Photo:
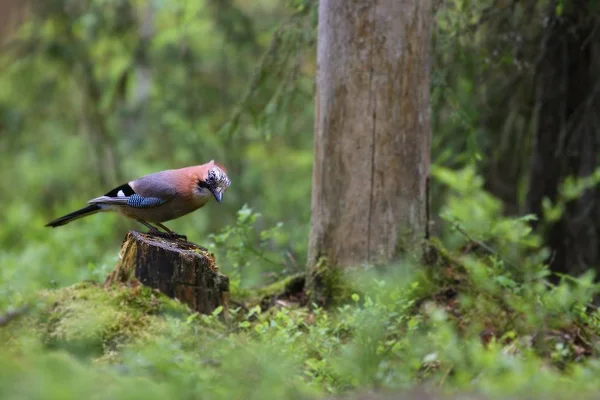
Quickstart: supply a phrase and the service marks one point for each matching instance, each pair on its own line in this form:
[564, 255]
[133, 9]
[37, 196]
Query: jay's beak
[218, 195]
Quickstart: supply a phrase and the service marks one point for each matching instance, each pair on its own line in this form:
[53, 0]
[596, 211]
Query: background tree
[372, 133]
[566, 138]
[521, 78]
[12, 12]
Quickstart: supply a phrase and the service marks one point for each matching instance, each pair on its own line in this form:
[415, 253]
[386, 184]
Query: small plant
[245, 249]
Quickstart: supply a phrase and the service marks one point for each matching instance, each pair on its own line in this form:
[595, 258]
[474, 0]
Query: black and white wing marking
[125, 195]
[133, 199]
[121, 191]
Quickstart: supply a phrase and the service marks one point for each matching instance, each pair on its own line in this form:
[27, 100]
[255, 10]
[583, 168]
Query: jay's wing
[162, 185]
[150, 191]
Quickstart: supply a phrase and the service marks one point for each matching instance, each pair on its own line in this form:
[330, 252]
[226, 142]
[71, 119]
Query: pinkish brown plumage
[159, 197]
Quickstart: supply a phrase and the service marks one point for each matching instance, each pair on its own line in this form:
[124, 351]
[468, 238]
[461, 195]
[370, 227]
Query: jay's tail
[84, 212]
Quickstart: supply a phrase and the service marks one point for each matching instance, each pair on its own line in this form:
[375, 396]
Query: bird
[159, 197]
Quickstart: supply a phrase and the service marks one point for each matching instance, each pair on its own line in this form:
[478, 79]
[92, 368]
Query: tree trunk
[12, 14]
[372, 132]
[566, 141]
[179, 269]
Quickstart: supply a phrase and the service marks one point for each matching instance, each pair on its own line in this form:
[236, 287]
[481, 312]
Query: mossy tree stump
[177, 268]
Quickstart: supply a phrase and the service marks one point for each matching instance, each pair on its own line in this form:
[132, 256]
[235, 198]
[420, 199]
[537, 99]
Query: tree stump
[181, 270]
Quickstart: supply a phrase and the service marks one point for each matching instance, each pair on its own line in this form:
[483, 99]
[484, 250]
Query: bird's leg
[170, 232]
[153, 230]
[151, 227]
[167, 234]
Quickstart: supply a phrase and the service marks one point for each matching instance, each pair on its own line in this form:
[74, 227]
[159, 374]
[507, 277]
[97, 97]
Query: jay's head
[216, 181]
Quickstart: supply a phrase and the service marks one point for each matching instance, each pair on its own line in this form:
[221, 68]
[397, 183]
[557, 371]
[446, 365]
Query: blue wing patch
[137, 201]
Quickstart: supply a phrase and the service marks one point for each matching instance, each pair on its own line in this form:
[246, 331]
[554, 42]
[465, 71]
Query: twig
[10, 316]
[240, 305]
[260, 255]
[446, 374]
[483, 245]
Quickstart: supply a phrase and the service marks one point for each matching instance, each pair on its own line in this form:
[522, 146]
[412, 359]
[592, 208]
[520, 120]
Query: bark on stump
[177, 268]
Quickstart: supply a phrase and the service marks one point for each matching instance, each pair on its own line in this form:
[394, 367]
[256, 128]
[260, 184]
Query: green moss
[265, 295]
[287, 285]
[328, 285]
[88, 320]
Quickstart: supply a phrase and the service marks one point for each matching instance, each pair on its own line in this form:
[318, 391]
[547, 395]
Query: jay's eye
[211, 178]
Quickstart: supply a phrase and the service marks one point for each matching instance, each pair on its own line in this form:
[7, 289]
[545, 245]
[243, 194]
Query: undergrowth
[482, 320]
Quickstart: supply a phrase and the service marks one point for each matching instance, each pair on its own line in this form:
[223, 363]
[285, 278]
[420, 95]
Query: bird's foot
[177, 236]
[167, 235]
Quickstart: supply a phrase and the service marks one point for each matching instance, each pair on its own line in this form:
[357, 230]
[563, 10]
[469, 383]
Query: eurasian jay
[159, 197]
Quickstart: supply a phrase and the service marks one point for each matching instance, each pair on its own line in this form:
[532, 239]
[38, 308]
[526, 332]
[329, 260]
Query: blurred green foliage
[97, 93]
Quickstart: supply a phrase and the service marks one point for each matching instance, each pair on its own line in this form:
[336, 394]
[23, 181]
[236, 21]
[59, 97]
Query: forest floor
[465, 326]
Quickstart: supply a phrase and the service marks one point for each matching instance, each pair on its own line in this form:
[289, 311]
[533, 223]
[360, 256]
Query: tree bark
[372, 131]
[566, 141]
[12, 14]
[179, 269]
